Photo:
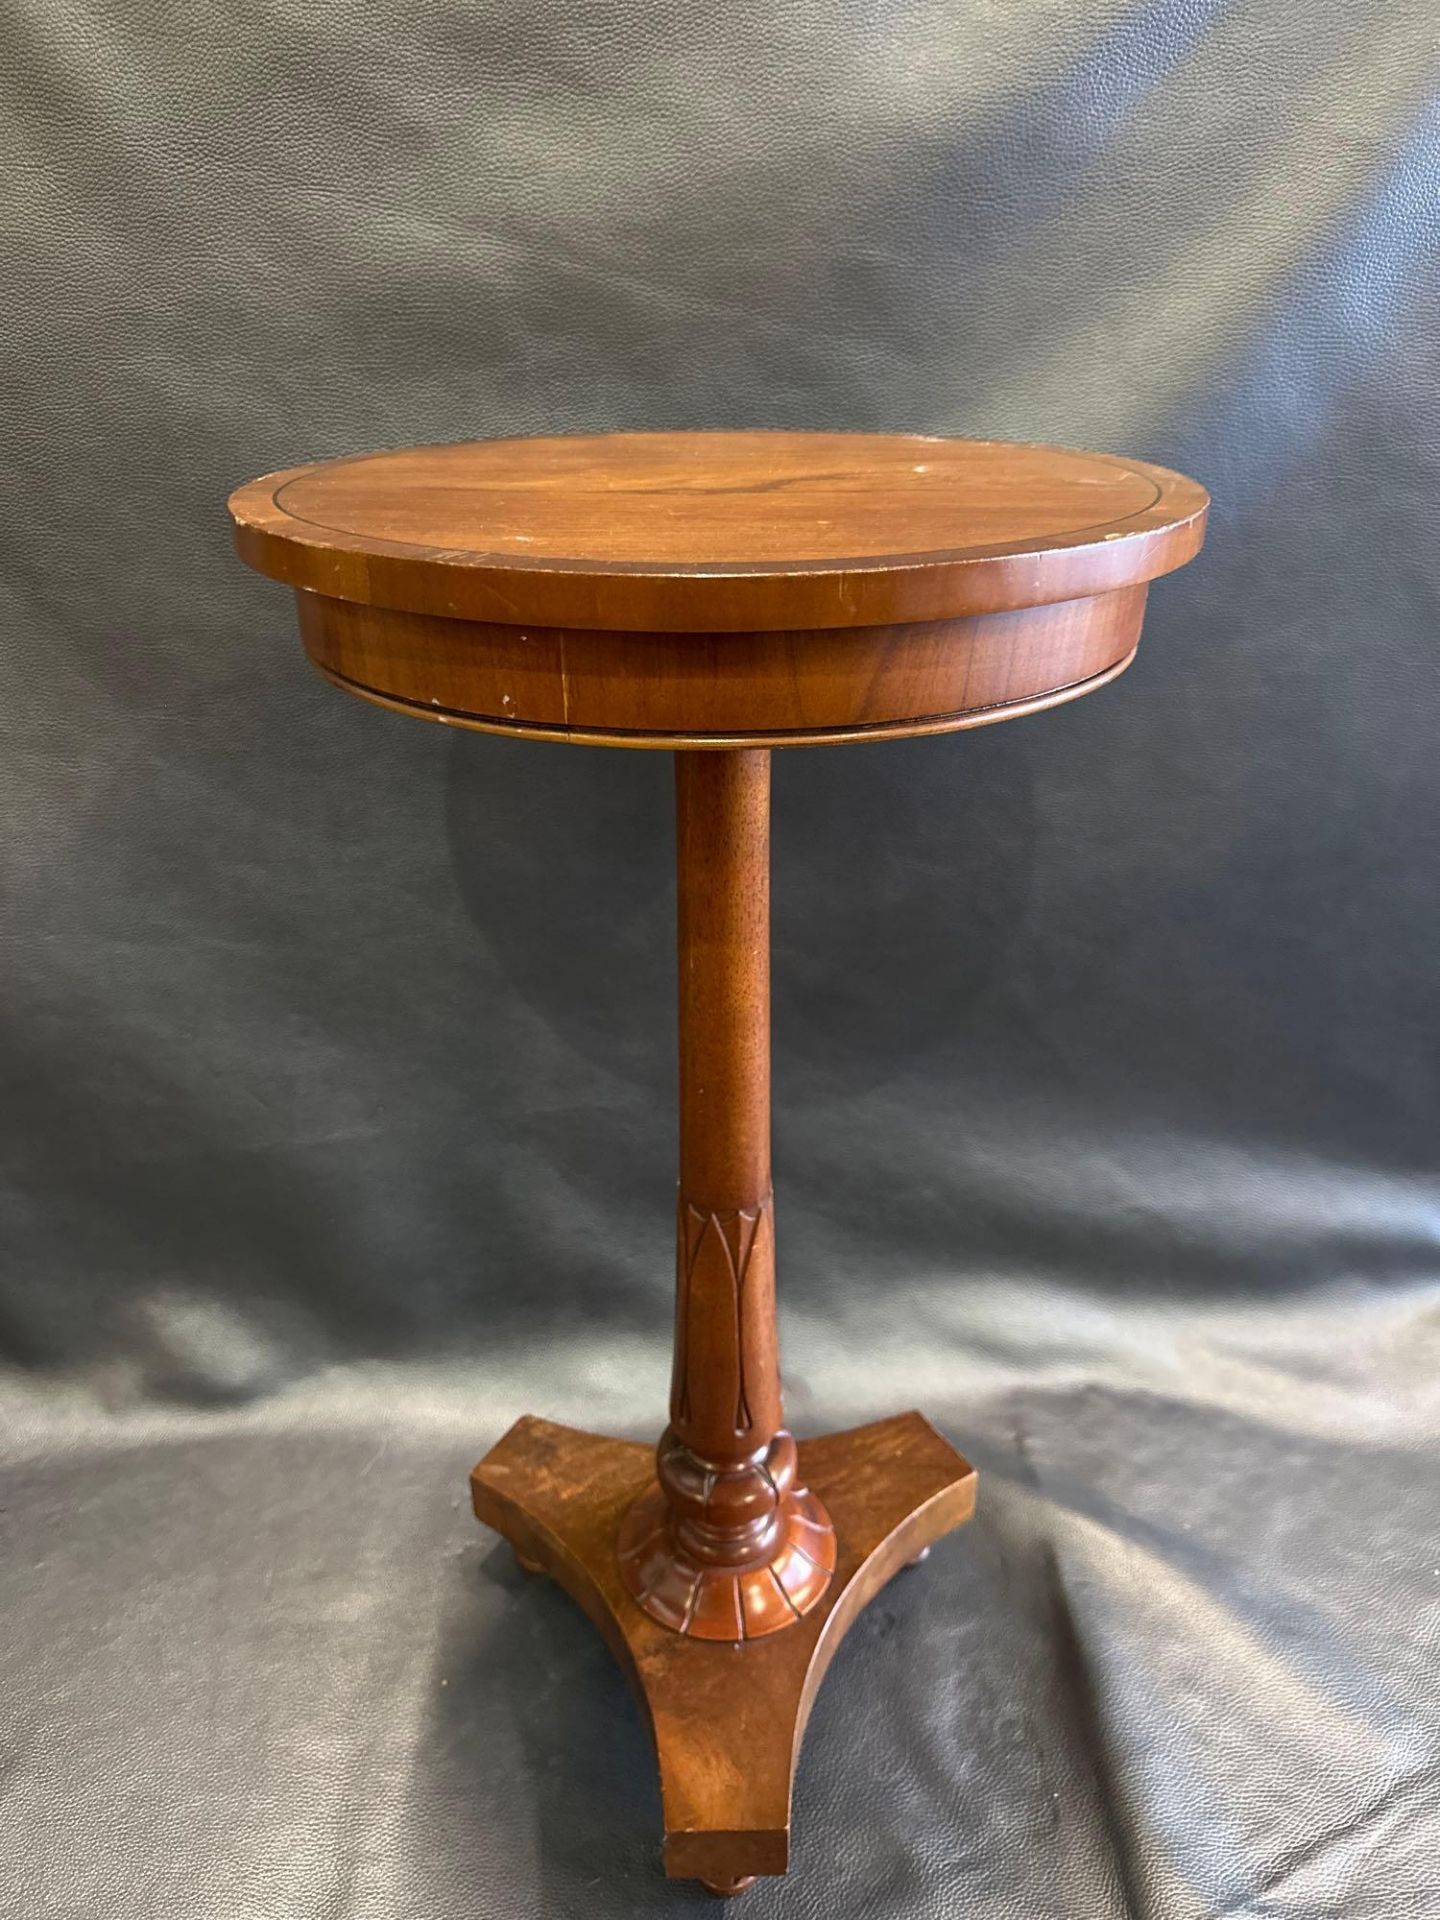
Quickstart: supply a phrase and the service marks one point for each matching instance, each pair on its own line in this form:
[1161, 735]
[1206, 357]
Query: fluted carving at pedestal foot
[727, 1603]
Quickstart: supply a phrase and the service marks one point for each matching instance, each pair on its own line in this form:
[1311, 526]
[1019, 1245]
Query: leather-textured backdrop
[338, 1102]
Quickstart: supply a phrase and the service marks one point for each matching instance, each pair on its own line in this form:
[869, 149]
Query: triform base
[727, 1719]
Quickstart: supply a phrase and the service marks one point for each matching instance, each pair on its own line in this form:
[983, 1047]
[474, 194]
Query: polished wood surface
[721, 589]
[723, 690]
[728, 1544]
[722, 594]
[719, 532]
[727, 1721]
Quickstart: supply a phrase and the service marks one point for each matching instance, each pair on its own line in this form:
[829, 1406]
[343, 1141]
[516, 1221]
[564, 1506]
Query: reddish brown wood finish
[721, 589]
[731, 592]
[814, 688]
[727, 1545]
[719, 532]
[727, 1722]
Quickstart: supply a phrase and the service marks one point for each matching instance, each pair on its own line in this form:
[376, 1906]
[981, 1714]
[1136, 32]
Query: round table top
[718, 531]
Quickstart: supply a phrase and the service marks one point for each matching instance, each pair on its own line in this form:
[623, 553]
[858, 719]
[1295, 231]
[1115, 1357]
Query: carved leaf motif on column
[716, 1249]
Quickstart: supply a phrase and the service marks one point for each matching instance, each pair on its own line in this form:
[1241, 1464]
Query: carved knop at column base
[727, 1551]
[726, 1513]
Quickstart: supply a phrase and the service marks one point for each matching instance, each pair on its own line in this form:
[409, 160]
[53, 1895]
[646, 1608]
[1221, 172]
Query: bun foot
[726, 1889]
[525, 1565]
[916, 1558]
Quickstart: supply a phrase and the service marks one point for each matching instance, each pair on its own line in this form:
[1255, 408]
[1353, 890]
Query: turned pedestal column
[721, 595]
[727, 1545]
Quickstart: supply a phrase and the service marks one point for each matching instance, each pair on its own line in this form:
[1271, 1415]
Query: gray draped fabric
[337, 1051]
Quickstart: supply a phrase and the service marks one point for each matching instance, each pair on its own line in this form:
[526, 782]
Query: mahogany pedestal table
[720, 594]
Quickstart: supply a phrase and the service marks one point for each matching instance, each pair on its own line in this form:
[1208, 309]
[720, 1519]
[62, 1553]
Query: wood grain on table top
[719, 531]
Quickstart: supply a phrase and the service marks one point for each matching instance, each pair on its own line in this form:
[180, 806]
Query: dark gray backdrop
[337, 1051]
